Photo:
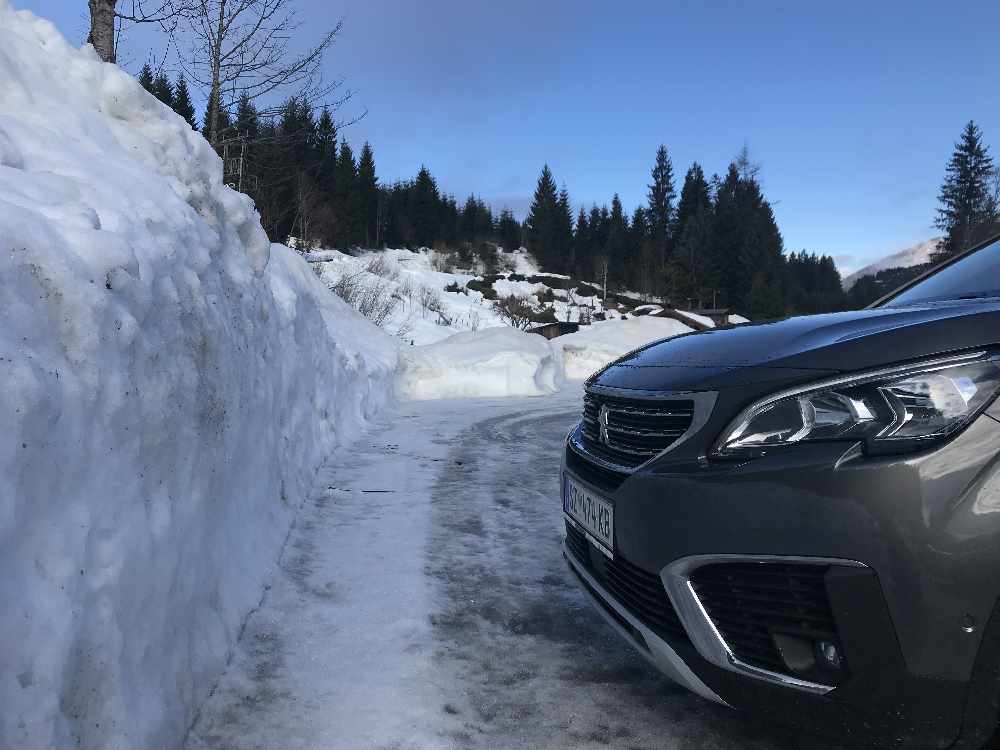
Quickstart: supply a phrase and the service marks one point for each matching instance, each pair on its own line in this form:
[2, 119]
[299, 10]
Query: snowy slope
[459, 346]
[911, 256]
[171, 383]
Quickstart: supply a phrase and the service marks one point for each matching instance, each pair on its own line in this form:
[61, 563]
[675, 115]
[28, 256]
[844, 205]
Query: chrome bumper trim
[659, 653]
[702, 631]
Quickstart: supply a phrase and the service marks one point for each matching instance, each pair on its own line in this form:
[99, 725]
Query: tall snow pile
[592, 347]
[497, 362]
[171, 382]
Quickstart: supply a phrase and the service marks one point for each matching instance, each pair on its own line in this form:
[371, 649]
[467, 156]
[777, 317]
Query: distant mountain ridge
[917, 255]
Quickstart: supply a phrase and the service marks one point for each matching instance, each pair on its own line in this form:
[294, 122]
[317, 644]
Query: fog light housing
[819, 659]
[828, 656]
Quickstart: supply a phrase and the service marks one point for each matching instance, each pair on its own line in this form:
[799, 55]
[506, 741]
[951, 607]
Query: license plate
[593, 513]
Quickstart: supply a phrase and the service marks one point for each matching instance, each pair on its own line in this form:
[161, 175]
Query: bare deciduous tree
[515, 311]
[106, 14]
[242, 47]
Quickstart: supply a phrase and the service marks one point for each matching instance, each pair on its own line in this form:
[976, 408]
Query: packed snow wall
[171, 381]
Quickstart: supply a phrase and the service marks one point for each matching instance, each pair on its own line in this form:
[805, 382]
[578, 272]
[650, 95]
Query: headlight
[891, 410]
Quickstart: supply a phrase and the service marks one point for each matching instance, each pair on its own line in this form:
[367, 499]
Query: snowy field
[422, 602]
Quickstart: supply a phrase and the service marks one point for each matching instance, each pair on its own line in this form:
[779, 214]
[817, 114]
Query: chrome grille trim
[701, 628]
[636, 434]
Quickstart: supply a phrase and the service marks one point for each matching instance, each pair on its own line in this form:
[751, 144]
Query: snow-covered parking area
[422, 602]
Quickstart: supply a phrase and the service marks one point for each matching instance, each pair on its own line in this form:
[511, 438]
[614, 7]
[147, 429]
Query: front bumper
[926, 532]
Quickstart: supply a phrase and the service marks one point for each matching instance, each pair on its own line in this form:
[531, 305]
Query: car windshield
[974, 277]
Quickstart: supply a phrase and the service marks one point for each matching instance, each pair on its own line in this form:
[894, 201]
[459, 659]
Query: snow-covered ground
[496, 362]
[431, 304]
[911, 256]
[592, 347]
[460, 346]
[171, 382]
[422, 602]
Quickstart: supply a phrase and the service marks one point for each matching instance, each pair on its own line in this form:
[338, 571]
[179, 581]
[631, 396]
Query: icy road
[422, 601]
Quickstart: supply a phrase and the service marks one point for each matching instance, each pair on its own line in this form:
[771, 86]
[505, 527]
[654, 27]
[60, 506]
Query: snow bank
[171, 382]
[592, 347]
[695, 317]
[497, 362]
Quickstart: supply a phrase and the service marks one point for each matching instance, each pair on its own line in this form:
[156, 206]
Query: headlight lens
[892, 410]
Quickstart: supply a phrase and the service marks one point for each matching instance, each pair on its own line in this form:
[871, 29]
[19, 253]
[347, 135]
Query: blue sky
[851, 108]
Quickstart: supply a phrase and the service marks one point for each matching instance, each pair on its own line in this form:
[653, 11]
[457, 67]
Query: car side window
[977, 275]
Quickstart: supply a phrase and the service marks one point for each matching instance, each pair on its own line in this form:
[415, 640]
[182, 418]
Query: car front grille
[629, 432]
[605, 479]
[640, 592]
[750, 602]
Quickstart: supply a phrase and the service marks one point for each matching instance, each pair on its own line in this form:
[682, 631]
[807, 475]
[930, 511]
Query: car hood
[796, 349]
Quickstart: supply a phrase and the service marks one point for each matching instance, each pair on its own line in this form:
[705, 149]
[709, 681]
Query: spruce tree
[182, 102]
[425, 214]
[616, 246]
[247, 119]
[508, 231]
[968, 212]
[661, 203]
[542, 222]
[746, 266]
[582, 248]
[368, 195]
[692, 236]
[146, 78]
[346, 201]
[564, 260]
[163, 89]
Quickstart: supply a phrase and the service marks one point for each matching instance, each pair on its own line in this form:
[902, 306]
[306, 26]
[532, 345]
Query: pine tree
[564, 259]
[346, 200]
[247, 119]
[968, 212]
[425, 209]
[542, 222]
[661, 203]
[616, 246]
[692, 236]
[146, 78]
[508, 231]
[746, 265]
[368, 195]
[582, 248]
[182, 102]
[163, 89]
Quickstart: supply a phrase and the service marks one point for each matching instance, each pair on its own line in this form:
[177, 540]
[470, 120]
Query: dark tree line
[716, 245]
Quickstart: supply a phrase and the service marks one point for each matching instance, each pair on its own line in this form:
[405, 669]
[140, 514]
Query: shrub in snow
[515, 311]
[171, 382]
[494, 362]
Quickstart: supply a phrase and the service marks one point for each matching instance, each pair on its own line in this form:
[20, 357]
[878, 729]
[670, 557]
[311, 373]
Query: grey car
[801, 518]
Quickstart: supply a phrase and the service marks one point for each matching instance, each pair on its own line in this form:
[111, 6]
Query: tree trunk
[215, 94]
[102, 28]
